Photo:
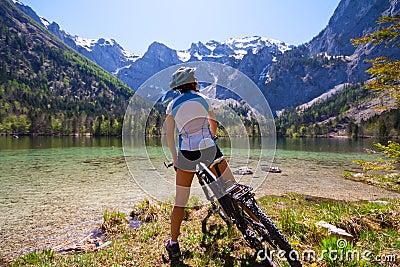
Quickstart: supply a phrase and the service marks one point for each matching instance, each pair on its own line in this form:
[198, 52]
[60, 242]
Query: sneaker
[174, 252]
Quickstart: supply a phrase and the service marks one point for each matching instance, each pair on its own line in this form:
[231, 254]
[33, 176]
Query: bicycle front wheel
[272, 246]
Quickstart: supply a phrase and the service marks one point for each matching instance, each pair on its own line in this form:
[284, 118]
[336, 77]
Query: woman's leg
[225, 171]
[183, 183]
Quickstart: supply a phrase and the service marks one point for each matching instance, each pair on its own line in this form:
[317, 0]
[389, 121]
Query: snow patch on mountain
[242, 46]
[44, 21]
[183, 56]
[85, 43]
[233, 47]
[29, 11]
[17, 2]
[116, 72]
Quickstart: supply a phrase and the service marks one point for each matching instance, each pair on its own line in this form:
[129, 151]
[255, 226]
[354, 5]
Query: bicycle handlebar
[168, 164]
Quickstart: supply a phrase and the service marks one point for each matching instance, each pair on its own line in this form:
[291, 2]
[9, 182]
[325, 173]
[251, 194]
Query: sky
[135, 24]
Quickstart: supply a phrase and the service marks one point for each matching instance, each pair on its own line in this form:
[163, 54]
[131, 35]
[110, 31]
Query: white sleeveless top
[190, 112]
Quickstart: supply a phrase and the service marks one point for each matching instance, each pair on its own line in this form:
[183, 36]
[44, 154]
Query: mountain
[353, 19]
[329, 59]
[237, 53]
[288, 76]
[250, 55]
[107, 53]
[48, 88]
[347, 109]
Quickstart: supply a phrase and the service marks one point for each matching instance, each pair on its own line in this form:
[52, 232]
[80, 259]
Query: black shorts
[187, 160]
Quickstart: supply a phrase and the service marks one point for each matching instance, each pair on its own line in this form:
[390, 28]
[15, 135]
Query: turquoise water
[53, 189]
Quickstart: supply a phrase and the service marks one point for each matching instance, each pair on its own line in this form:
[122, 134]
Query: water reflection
[330, 145]
[45, 142]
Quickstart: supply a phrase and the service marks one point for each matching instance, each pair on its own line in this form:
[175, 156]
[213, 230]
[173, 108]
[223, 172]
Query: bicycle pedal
[164, 258]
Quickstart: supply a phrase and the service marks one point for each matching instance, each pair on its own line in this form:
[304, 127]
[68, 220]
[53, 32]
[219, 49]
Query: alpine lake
[55, 189]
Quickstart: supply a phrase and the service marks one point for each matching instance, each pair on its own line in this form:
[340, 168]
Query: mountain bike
[237, 206]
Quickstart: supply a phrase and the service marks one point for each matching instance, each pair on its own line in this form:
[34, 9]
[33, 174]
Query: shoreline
[54, 195]
[95, 225]
[291, 180]
[328, 135]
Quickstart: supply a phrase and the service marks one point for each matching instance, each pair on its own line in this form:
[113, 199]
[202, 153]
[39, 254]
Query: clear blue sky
[135, 24]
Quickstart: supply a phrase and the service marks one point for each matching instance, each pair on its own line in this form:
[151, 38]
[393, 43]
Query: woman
[191, 113]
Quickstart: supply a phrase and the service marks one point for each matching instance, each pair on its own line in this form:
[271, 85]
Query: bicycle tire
[267, 229]
[275, 239]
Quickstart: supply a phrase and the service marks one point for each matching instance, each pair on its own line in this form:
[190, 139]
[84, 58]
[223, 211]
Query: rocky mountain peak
[200, 49]
[287, 75]
[351, 19]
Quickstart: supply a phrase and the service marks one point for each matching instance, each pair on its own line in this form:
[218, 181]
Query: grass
[375, 227]
[388, 180]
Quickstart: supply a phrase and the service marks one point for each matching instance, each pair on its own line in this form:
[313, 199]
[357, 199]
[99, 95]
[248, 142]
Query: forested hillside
[47, 88]
[353, 112]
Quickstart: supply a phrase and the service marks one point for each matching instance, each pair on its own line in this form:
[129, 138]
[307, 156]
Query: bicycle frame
[230, 200]
[236, 205]
[238, 193]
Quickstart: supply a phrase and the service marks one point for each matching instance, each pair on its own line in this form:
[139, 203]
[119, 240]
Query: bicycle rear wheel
[262, 234]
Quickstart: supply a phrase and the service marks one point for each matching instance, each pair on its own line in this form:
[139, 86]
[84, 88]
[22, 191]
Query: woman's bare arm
[170, 127]
[213, 122]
